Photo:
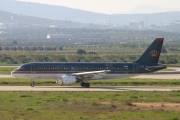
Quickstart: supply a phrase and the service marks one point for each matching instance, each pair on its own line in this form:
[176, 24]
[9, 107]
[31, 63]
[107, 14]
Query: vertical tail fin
[151, 55]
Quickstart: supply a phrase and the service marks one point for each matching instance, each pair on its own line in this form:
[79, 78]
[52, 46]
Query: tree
[6, 48]
[163, 50]
[93, 53]
[1, 48]
[14, 42]
[14, 48]
[27, 49]
[48, 48]
[34, 48]
[80, 51]
[60, 48]
[20, 48]
[62, 59]
[21, 59]
[40, 48]
[54, 48]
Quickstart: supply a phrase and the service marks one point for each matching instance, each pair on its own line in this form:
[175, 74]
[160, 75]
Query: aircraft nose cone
[13, 73]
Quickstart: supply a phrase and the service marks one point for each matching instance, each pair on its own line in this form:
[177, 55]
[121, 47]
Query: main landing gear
[83, 84]
[32, 83]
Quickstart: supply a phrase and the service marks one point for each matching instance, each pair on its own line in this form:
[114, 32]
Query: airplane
[73, 72]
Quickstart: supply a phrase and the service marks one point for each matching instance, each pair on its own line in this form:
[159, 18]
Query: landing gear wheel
[83, 84]
[87, 85]
[32, 84]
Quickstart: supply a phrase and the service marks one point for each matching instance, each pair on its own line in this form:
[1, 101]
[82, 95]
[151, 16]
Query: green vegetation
[87, 45]
[88, 105]
[15, 58]
[135, 82]
[110, 82]
[7, 70]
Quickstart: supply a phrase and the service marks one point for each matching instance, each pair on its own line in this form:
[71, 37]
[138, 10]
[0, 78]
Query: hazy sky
[110, 6]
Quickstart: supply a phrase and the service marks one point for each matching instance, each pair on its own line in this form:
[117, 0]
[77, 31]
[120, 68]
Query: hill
[8, 19]
[75, 15]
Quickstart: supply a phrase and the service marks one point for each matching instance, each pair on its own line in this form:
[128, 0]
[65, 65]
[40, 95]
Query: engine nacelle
[67, 79]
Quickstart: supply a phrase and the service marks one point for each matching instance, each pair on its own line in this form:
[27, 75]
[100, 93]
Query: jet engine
[66, 79]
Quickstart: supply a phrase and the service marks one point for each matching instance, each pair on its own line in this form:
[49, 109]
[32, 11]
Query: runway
[159, 76]
[77, 88]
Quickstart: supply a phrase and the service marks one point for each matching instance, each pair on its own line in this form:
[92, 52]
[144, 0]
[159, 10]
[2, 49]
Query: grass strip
[109, 82]
[87, 105]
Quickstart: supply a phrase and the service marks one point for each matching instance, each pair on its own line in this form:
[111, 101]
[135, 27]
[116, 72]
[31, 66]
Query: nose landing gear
[32, 83]
[83, 84]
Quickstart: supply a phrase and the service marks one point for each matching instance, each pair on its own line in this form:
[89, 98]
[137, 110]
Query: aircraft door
[33, 68]
[110, 67]
[34, 73]
[135, 68]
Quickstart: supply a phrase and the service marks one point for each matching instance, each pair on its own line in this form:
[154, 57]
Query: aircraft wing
[91, 72]
[85, 75]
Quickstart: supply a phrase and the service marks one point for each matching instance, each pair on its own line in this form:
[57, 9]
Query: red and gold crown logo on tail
[154, 53]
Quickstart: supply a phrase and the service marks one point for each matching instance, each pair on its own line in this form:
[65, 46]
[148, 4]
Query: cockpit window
[20, 68]
[24, 67]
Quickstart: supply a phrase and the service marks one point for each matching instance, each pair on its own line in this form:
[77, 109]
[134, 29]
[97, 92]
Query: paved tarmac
[6, 76]
[97, 88]
[159, 76]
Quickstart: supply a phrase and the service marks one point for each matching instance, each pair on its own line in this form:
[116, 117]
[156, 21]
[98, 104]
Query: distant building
[176, 22]
[78, 43]
[59, 36]
[2, 26]
[122, 42]
[8, 25]
[137, 24]
[2, 32]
